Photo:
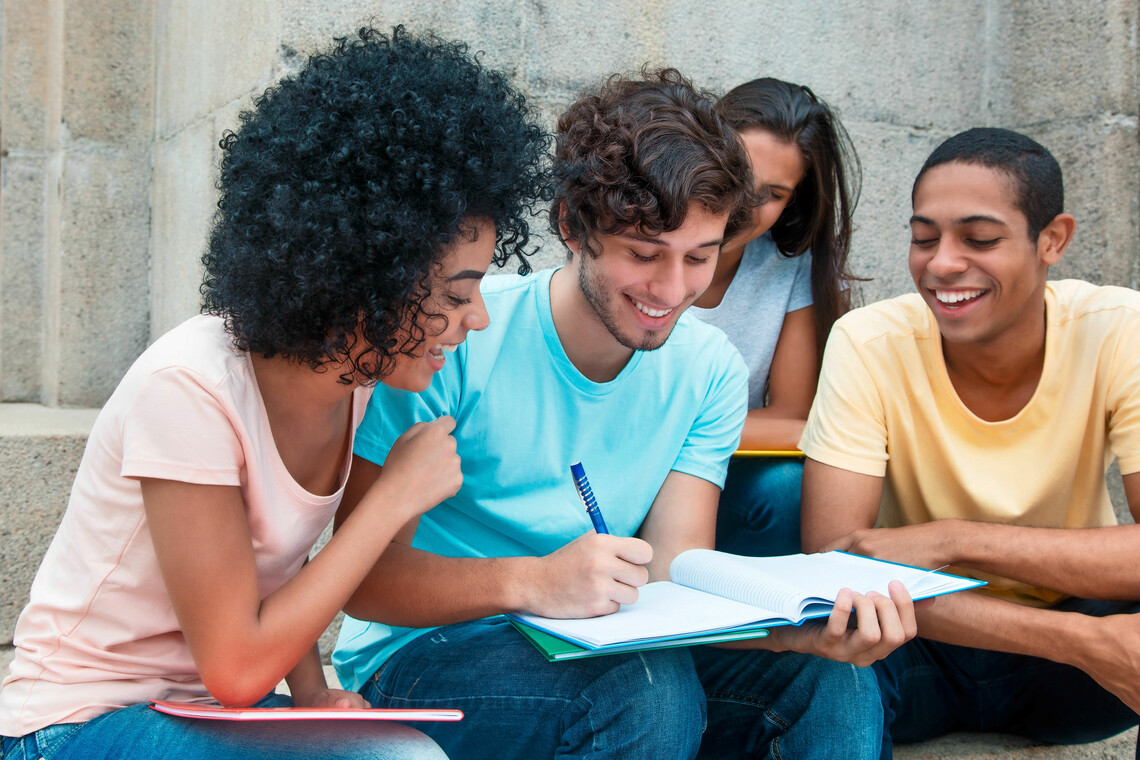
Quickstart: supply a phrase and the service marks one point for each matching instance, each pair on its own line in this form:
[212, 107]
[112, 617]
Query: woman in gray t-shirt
[778, 287]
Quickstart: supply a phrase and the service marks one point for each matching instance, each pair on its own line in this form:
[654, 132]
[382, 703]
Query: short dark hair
[637, 152]
[1035, 176]
[819, 214]
[345, 184]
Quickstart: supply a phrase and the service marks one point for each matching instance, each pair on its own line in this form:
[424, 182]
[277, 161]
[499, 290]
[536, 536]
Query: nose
[946, 259]
[668, 284]
[476, 317]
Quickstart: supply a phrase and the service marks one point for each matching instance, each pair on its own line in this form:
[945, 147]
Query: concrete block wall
[111, 110]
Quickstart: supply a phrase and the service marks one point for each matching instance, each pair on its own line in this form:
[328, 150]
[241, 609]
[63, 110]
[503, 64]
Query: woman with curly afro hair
[361, 201]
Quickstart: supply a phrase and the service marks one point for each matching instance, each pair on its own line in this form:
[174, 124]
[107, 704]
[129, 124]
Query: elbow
[233, 689]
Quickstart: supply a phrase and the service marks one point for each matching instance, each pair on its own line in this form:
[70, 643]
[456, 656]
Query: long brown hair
[818, 216]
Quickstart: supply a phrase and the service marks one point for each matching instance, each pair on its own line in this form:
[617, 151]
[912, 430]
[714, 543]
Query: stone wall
[110, 112]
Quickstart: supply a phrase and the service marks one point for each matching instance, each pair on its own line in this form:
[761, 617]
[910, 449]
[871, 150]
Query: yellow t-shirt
[886, 407]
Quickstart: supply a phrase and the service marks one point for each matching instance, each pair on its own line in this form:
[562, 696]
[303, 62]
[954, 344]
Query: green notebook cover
[555, 649]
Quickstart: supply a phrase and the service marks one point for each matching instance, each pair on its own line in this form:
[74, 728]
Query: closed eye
[984, 243]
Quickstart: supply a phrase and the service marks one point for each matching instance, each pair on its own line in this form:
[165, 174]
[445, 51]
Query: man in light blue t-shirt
[595, 362]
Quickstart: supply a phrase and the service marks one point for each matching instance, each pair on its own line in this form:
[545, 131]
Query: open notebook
[714, 594]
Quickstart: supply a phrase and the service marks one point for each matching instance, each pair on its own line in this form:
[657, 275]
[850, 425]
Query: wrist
[391, 497]
[1078, 641]
[958, 541]
[517, 588]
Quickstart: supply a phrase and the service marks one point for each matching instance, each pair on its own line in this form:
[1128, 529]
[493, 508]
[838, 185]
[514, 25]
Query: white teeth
[436, 353]
[655, 313]
[449, 347]
[955, 296]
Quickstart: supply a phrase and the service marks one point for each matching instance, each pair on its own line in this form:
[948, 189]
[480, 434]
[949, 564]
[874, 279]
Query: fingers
[881, 624]
[632, 550]
[901, 597]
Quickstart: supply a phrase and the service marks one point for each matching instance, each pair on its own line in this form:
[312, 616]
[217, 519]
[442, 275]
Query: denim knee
[651, 703]
[759, 510]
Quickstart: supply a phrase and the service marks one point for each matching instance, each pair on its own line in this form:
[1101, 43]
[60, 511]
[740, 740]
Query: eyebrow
[466, 274]
[963, 220]
[662, 243]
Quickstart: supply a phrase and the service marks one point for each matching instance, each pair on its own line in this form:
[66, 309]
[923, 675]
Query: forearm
[248, 644]
[1092, 563]
[414, 588]
[975, 619]
[307, 676]
[769, 429]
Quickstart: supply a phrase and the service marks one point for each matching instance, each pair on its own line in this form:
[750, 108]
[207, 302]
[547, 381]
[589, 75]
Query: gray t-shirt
[766, 287]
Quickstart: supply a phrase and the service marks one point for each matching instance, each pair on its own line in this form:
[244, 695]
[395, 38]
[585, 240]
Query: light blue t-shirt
[767, 285]
[524, 413]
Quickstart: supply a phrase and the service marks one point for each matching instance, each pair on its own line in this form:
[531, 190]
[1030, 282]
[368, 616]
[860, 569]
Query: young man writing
[973, 423]
[593, 362]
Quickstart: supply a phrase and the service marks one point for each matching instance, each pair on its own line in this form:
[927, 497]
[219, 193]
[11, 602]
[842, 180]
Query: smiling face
[638, 286]
[777, 168]
[455, 296]
[972, 259]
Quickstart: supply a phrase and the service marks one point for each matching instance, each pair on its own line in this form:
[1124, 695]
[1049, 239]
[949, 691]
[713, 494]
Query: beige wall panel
[105, 230]
[1100, 159]
[29, 75]
[494, 27]
[184, 201]
[209, 53]
[108, 70]
[22, 219]
[1069, 59]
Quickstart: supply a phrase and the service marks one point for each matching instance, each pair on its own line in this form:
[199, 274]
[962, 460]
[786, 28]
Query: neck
[996, 380]
[286, 384]
[588, 343]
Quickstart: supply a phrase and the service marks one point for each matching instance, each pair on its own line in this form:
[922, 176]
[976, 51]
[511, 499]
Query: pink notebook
[214, 712]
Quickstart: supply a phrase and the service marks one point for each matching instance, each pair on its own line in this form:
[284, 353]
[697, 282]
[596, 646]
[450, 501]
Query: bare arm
[683, 516]
[791, 387]
[1103, 647]
[1091, 563]
[309, 688]
[591, 575]
[835, 503]
[1107, 648]
[242, 644]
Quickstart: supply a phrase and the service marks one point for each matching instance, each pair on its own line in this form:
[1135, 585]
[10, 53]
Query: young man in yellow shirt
[971, 425]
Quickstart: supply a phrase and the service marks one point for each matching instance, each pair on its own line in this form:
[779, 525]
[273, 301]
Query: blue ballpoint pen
[586, 494]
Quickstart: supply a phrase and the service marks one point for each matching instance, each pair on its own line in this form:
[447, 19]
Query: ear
[568, 239]
[1054, 239]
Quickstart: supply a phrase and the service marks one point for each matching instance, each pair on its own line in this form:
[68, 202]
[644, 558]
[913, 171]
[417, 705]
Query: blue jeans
[930, 689]
[759, 511]
[140, 732]
[787, 705]
[517, 705]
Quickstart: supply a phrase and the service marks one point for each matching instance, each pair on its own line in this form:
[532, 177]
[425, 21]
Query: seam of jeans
[53, 741]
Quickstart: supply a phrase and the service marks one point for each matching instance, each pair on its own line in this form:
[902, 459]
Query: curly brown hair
[637, 152]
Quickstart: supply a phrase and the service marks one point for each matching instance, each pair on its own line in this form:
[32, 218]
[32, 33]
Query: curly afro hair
[637, 152]
[345, 184]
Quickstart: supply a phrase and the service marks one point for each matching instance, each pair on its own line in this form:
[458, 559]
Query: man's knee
[650, 699]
